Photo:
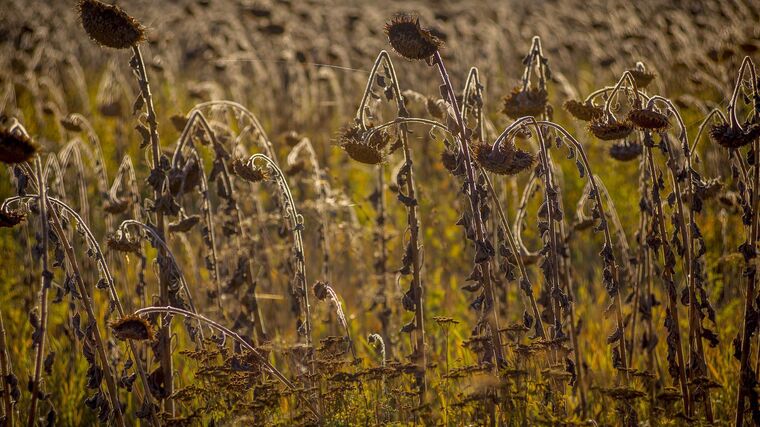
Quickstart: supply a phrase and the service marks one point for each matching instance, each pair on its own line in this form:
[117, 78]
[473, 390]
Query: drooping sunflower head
[15, 147]
[369, 147]
[642, 77]
[409, 39]
[585, 111]
[645, 118]
[625, 151]
[610, 129]
[109, 25]
[11, 218]
[733, 137]
[132, 328]
[506, 159]
[528, 102]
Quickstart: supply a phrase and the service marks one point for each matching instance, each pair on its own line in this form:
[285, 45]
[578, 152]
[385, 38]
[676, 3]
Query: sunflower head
[369, 150]
[648, 119]
[504, 160]
[11, 218]
[610, 129]
[15, 147]
[641, 77]
[116, 205]
[320, 290]
[732, 137]
[109, 25]
[528, 102]
[120, 242]
[132, 327]
[585, 111]
[411, 40]
[625, 151]
[250, 173]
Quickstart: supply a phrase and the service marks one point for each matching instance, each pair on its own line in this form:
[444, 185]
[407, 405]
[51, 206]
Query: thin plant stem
[46, 279]
[100, 347]
[471, 183]
[138, 65]
[5, 371]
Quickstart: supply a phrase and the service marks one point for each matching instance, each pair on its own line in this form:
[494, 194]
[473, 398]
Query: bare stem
[472, 190]
[46, 279]
[5, 371]
[138, 65]
[113, 391]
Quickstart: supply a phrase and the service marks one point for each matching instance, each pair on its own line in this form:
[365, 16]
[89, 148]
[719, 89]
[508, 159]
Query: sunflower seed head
[109, 25]
[410, 40]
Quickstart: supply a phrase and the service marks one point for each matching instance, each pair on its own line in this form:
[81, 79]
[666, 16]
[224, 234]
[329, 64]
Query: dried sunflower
[115, 206]
[10, 219]
[121, 243]
[436, 108]
[642, 77]
[733, 137]
[611, 129]
[370, 150]
[71, 124]
[450, 160]
[648, 119]
[410, 40]
[248, 172]
[625, 151]
[132, 327]
[528, 102]
[585, 111]
[320, 290]
[506, 160]
[109, 25]
[15, 147]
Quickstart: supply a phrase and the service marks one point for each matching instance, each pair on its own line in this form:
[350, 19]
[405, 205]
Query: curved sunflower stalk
[77, 123]
[521, 219]
[323, 190]
[323, 291]
[611, 272]
[122, 241]
[125, 181]
[59, 210]
[72, 154]
[473, 99]
[657, 238]
[53, 167]
[413, 299]
[699, 305]
[226, 191]
[733, 135]
[260, 167]
[188, 174]
[240, 112]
